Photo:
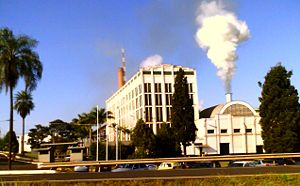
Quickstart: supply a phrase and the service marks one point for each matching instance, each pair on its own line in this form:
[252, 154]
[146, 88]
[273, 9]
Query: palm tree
[23, 105]
[17, 60]
[90, 119]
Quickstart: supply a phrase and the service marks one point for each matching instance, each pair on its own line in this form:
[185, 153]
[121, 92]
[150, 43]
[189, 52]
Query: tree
[87, 120]
[143, 139]
[61, 131]
[17, 60]
[182, 112]
[279, 112]
[15, 143]
[166, 144]
[38, 135]
[23, 105]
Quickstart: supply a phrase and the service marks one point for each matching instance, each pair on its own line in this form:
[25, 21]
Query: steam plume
[152, 61]
[219, 34]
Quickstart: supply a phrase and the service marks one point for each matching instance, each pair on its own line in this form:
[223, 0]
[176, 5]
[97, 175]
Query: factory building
[148, 96]
[230, 128]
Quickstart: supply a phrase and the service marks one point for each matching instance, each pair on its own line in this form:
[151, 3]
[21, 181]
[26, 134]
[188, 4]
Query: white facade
[232, 128]
[27, 146]
[147, 95]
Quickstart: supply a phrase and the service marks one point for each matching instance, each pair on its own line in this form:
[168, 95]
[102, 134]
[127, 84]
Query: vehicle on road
[170, 165]
[204, 164]
[129, 167]
[152, 166]
[242, 164]
[285, 162]
[82, 168]
[263, 163]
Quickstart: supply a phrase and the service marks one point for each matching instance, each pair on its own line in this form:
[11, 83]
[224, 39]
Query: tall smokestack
[219, 34]
[228, 97]
[121, 81]
[123, 63]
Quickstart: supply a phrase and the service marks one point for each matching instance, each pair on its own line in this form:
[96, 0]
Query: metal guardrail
[159, 160]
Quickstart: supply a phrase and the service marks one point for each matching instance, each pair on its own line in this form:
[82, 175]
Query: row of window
[168, 72]
[212, 131]
[168, 87]
[158, 99]
[159, 114]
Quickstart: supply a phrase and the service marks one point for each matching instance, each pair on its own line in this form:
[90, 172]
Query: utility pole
[97, 150]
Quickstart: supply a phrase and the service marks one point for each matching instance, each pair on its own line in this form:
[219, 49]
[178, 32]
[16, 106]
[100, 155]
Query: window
[147, 87]
[148, 114]
[157, 87]
[210, 131]
[159, 114]
[168, 99]
[156, 72]
[168, 87]
[146, 72]
[168, 113]
[136, 103]
[167, 73]
[223, 130]
[236, 130]
[190, 87]
[248, 130]
[158, 100]
[148, 100]
[191, 98]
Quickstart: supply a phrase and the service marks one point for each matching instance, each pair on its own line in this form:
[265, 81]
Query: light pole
[117, 136]
[97, 150]
[106, 133]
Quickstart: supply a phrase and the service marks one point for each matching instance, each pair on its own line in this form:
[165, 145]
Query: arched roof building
[230, 128]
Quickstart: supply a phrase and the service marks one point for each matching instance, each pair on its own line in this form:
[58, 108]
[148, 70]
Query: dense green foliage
[17, 60]
[37, 136]
[23, 105]
[15, 143]
[182, 112]
[144, 141]
[279, 112]
[166, 146]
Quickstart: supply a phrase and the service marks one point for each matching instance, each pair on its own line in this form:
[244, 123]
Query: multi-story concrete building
[148, 96]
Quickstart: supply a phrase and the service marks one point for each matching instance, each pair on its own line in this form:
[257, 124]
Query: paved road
[154, 174]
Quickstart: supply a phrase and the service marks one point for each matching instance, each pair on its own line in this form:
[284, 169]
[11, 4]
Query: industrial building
[230, 128]
[148, 96]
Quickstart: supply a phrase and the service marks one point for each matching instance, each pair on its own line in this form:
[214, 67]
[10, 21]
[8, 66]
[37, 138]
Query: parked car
[263, 163]
[151, 166]
[285, 162]
[170, 165]
[204, 164]
[81, 168]
[242, 164]
[129, 167]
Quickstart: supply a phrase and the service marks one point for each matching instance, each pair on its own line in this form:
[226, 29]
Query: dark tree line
[280, 112]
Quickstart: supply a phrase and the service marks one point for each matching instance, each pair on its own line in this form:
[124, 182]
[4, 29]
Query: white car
[82, 168]
[263, 163]
[242, 164]
[130, 167]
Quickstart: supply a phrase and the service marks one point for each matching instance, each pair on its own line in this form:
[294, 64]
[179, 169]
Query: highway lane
[155, 174]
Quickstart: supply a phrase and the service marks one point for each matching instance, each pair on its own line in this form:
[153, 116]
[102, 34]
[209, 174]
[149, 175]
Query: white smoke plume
[219, 34]
[152, 61]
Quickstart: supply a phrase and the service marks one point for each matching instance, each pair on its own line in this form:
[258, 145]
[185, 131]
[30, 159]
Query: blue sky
[80, 41]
